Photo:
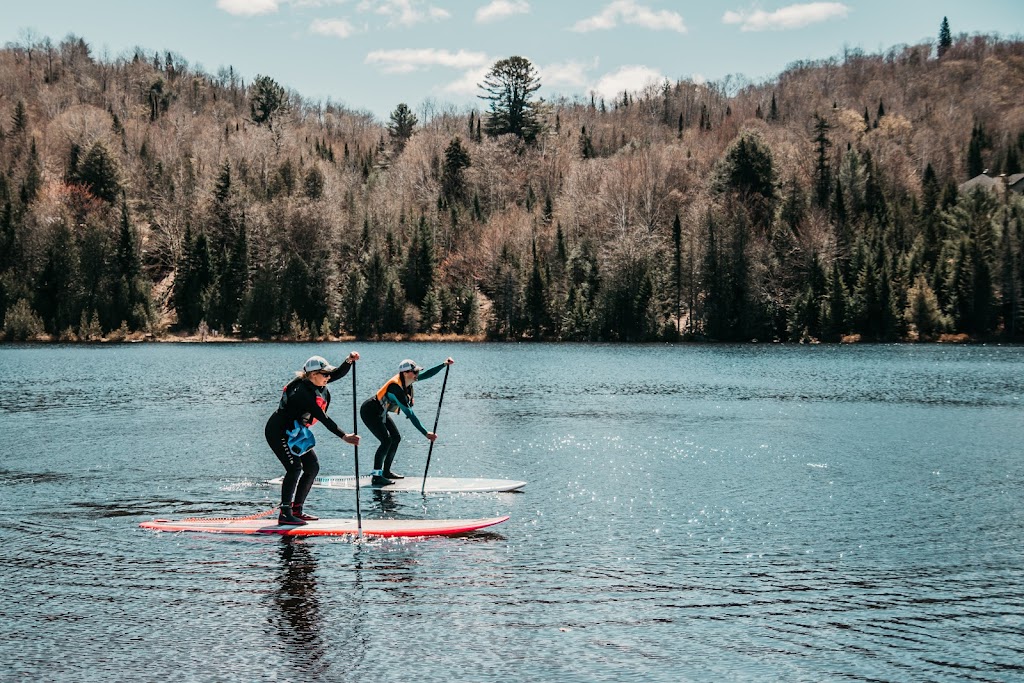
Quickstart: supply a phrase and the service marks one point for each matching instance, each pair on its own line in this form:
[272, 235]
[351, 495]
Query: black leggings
[298, 469]
[383, 427]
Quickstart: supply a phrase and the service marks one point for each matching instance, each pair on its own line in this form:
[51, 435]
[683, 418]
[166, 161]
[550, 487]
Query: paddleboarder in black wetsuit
[395, 395]
[304, 402]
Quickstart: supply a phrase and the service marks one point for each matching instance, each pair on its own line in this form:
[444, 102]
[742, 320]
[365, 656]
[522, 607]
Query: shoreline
[176, 338]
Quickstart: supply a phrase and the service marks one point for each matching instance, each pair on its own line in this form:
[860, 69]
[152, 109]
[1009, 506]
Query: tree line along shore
[871, 197]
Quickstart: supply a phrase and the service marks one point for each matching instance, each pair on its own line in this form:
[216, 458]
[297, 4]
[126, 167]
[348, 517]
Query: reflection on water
[298, 620]
[691, 513]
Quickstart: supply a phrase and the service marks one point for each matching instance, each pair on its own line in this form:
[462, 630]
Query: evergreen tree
[747, 173]
[1011, 285]
[705, 117]
[536, 299]
[313, 183]
[403, 123]
[549, 209]
[975, 164]
[834, 319]
[456, 161]
[260, 312]
[234, 282]
[923, 313]
[431, 310]
[677, 269]
[586, 145]
[420, 264]
[822, 170]
[19, 119]
[509, 87]
[945, 37]
[194, 281]
[99, 173]
[131, 298]
[33, 178]
[794, 207]
[94, 253]
[267, 101]
[507, 298]
[57, 293]
[773, 111]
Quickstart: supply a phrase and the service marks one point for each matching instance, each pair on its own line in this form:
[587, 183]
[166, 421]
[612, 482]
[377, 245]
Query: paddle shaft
[355, 430]
[437, 417]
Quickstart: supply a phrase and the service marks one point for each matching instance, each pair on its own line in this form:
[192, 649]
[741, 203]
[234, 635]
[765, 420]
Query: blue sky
[372, 54]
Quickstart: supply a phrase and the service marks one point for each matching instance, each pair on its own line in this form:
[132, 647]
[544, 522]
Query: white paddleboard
[434, 484]
[327, 527]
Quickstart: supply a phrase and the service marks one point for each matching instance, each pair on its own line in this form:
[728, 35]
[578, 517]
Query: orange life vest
[382, 394]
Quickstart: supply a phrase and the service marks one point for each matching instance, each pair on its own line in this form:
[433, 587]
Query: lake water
[692, 513]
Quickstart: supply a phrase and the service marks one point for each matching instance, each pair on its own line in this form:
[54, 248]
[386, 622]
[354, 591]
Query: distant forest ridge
[141, 198]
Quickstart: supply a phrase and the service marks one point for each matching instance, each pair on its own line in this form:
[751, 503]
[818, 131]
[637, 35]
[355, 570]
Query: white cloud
[248, 8]
[404, 12]
[629, 12]
[501, 9]
[409, 60]
[790, 17]
[338, 28]
[570, 74]
[631, 78]
[469, 83]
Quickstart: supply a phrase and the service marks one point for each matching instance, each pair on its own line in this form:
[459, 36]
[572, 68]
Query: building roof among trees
[1015, 183]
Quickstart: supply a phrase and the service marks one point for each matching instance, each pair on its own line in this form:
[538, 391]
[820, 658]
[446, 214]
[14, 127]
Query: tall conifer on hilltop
[945, 37]
[509, 87]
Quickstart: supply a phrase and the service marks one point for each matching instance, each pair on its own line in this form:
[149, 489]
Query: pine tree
[260, 312]
[403, 124]
[131, 299]
[193, 281]
[99, 173]
[267, 101]
[677, 270]
[509, 87]
[536, 299]
[975, 164]
[586, 145]
[420, 264]
[19, 119]
[456, 161]
[57, 293]
[945, 37]
[923, 313]
[822, 170]
[834, 320]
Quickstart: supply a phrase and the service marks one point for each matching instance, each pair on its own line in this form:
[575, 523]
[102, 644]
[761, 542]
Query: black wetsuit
[374, 412]
[301, 401]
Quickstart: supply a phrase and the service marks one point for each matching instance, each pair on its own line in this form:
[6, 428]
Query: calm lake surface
[692, 513]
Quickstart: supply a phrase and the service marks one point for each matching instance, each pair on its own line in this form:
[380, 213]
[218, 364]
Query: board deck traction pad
[434, 484]
[327, 527]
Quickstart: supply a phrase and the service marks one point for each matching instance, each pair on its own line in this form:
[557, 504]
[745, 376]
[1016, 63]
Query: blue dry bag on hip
[300, 439]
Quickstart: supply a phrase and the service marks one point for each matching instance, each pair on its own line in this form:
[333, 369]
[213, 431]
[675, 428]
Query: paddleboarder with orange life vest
[396, 395]
[304, 401]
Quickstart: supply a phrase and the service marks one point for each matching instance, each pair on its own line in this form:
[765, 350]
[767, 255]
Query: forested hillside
[141, 197]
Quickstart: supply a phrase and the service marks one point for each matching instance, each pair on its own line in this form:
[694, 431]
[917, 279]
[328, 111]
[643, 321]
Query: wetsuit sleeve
[427, 374]
[339, 371]
[409, 413]
[309, 405]
[328, 422]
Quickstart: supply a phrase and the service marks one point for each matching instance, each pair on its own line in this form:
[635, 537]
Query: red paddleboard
[328, 527]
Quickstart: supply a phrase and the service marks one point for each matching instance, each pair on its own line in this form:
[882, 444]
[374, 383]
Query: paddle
[355, 430]
[437, 417]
